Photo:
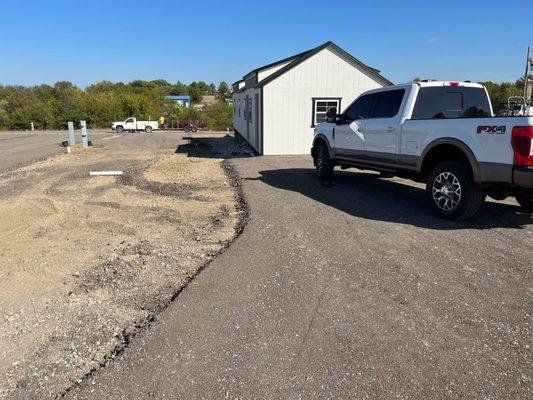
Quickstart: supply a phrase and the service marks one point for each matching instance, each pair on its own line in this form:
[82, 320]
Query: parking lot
[19, 148]
[347, 291]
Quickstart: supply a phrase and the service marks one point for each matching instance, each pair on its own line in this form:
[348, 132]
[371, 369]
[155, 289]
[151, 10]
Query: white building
[275, 107]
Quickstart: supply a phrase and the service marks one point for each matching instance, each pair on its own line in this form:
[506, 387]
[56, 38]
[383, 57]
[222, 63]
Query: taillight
[453, 83]
[522, 141]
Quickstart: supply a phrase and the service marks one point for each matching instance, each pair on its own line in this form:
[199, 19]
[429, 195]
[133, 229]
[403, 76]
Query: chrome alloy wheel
[446, 191]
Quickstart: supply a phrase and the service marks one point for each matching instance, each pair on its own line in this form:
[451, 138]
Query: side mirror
[331, 115]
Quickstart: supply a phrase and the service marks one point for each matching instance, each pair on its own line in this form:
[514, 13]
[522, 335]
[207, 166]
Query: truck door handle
[391, 129]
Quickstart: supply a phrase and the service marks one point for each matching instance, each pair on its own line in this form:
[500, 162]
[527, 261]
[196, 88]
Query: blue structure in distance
[183, 101]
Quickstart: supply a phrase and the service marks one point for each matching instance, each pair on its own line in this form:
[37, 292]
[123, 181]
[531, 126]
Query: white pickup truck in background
[132, 125]
[440, 133]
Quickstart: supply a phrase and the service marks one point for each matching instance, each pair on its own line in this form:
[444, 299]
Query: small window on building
[321, 107]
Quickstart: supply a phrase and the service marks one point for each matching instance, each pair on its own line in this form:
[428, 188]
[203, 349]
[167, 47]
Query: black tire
[526, 202]
[148, 129]
[323, 162]
[452, 192]
[119, 129]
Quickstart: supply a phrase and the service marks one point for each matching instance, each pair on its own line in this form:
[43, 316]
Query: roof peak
[296, 59]
[305, 55]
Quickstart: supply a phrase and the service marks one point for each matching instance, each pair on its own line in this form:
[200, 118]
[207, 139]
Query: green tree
[223, 91]
[179, 89]
[218, 116]
[196, 92]
[51, 107]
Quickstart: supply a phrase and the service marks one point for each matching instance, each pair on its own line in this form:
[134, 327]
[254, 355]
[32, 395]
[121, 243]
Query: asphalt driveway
[350, 291]
[19, 148]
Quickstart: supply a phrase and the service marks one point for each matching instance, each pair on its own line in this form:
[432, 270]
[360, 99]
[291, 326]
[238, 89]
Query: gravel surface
[347, 291]
[88, 261]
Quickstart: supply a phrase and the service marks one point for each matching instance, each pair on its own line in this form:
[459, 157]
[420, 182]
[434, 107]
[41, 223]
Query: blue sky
[89, 41]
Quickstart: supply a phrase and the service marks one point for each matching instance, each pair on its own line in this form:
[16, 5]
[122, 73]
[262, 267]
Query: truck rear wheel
[119, 129]
[323, 162]
[526, 202]
[452, 192]
[148, 129]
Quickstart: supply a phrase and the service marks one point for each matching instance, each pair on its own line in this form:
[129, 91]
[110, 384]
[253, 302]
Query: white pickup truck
[440, 133]
[132, 125]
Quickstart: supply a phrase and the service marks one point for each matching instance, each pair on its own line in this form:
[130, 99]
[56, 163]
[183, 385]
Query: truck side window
[388, 104]
[451, 102]
[361, 107]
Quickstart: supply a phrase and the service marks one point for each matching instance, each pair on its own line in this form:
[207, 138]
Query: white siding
[250, 129]
[238, 115]
[288, 98]
[265, 73]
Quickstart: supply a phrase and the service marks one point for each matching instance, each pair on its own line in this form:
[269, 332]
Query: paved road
[351, 291]
[20, 148]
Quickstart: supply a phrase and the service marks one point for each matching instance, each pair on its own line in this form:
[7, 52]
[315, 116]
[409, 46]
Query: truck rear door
[381, 128]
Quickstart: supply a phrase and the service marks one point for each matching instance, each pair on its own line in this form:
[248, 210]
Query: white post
[32, 127]
[72, 137]
[84, 134]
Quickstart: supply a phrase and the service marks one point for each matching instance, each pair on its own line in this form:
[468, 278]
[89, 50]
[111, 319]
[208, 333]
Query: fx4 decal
[498, 130]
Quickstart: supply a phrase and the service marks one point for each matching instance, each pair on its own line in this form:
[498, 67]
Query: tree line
[51, 107]
[500, 92]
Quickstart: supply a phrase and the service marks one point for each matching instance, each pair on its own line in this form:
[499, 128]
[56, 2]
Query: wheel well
[317, 143]
[442, 153]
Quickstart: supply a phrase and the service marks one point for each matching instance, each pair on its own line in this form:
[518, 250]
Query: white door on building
[248, 115]
[256, 130]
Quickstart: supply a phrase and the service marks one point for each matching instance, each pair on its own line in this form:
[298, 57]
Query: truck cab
[130, 124]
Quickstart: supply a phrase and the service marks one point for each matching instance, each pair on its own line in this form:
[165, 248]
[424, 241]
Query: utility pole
[529, 61]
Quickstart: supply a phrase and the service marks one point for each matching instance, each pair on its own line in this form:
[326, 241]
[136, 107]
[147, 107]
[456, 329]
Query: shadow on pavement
[364, 195]
[215, 147]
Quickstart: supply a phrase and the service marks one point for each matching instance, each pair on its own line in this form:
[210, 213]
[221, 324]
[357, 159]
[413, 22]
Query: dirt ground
[86, 261]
